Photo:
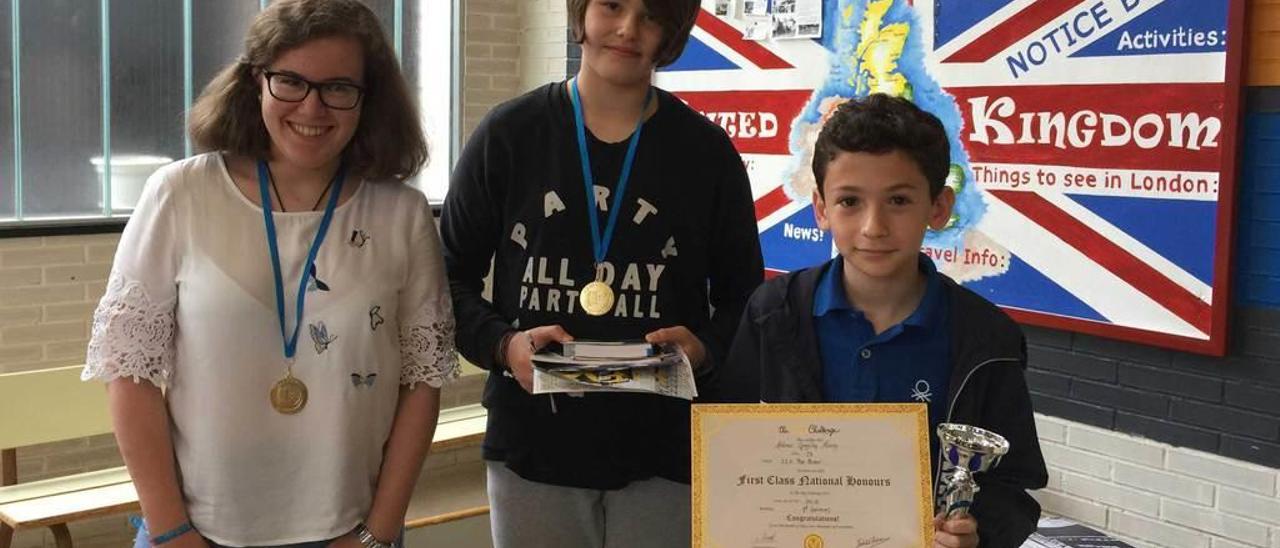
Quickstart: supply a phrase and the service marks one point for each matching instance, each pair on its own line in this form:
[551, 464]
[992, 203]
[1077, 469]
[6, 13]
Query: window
[85, 85]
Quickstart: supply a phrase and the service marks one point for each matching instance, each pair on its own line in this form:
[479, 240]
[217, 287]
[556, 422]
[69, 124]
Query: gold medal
[596, 298]
[288, 395]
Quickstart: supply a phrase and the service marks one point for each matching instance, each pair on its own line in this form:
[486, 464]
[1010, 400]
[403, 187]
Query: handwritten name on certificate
[811, 476]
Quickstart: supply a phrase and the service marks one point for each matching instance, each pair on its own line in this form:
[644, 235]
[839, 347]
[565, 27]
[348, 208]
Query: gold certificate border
[920, 412]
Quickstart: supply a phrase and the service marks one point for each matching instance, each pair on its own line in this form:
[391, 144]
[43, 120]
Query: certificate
[811, 476]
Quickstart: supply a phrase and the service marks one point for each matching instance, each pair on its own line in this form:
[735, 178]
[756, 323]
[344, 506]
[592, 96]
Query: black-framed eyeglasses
[291, 88]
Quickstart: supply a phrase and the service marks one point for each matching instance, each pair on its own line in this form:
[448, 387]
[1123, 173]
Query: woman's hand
[524, 344]
[959, 532]
[689, 343]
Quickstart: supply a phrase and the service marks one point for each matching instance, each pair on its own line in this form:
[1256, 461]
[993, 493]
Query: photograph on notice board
[755, 8]
[784, 26]
[779, 19]
[758, 28]
[797, 19]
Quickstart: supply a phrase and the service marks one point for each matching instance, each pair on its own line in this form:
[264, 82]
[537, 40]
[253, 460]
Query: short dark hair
[675, 16]
[878, 124]
[388, 143]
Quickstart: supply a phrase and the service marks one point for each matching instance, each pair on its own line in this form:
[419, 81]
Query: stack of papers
[589, 366]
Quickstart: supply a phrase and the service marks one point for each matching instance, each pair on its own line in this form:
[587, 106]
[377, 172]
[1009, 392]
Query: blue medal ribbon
[291, 341]
[600, 244]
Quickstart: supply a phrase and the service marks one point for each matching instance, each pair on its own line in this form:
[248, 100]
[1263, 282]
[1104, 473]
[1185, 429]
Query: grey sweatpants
[653, 513]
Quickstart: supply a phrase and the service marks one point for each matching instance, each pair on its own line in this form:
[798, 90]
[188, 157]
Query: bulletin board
[1093, 142]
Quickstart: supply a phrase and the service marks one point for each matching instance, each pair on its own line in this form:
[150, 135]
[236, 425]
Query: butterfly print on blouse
[366, 380]
[321, 337]
[358, 238]
[316, 284]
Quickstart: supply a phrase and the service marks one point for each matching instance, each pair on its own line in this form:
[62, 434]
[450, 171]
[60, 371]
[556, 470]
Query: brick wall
[543, 56]
[1258, 245]
[48, 288]
[1156, 494]
[491, 57]
[1229, 406]
[511, 46]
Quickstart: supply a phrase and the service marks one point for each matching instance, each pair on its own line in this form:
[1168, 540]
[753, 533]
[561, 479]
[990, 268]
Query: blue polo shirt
[909, 362]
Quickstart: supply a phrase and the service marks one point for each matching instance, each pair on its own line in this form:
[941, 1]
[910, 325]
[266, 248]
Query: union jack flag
[1099, 135]
[755, 91]
[1141, 251]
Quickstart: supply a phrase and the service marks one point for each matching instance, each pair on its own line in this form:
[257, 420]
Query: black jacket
[775, 358]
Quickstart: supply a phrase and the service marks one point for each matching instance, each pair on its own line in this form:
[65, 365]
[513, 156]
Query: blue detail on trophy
[968, 450]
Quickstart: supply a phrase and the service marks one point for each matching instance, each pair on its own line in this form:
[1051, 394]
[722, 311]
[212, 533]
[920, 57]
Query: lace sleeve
[426, 347]
[132, 335]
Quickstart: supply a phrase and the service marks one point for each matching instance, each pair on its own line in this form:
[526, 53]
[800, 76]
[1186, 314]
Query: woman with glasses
[277, 323]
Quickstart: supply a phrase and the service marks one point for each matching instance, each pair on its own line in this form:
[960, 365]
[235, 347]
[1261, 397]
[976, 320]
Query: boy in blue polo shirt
[879, 323]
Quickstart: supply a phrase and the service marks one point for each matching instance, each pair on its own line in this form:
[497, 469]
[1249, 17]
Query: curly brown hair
[388, 143]
[878, 124]
[675, 16]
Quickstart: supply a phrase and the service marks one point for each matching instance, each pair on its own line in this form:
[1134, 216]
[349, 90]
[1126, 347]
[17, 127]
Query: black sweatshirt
[684, 252]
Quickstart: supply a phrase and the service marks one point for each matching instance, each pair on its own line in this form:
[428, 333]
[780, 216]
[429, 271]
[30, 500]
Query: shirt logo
[922, 392]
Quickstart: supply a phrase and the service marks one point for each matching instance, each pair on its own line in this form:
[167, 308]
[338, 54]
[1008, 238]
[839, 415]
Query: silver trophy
[966, 450]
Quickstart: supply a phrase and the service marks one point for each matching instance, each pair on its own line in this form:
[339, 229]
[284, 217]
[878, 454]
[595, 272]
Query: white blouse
[191, 307]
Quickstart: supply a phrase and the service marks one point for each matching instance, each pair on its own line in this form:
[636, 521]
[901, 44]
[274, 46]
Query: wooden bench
[52, 405]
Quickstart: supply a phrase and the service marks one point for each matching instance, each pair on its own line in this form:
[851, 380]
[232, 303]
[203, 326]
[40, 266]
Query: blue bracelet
[172, 534]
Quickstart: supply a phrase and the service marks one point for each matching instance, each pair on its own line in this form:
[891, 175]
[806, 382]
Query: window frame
[433, 96]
